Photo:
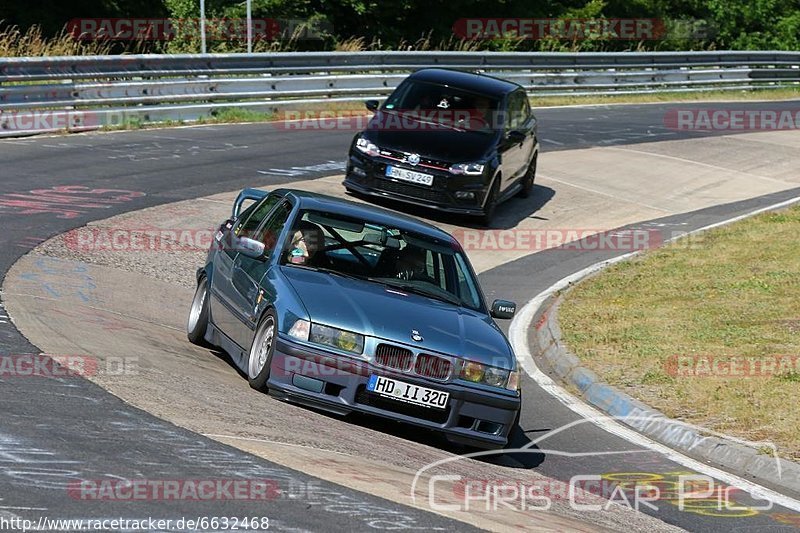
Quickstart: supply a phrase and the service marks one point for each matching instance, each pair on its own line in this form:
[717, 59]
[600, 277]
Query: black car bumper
[327, 381]
[367, 175]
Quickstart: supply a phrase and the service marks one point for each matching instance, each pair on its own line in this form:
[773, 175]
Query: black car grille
[432, 367]
[424, 162]
[437, 416]
[394, 357]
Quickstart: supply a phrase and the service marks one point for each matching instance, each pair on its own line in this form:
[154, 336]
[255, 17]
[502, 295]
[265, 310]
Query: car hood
[369, 308]
[387, 131]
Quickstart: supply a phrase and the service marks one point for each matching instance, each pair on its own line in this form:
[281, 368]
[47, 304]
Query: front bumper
[334, 383]
[367, 175]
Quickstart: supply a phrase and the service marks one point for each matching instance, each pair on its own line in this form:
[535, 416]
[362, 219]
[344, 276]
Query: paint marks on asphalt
[64, 201]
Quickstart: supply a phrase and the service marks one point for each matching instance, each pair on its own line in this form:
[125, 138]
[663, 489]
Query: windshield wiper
[408, 287]
[417, 118]
[328, 271]
[339, 273]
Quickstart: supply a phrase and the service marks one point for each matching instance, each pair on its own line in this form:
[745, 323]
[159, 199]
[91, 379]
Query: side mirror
[251, 247]
[503, 309]
[516, 137]
[372, 105]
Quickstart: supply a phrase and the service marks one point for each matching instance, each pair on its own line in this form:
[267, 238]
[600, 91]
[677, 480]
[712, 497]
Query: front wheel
[261, 351]
[491, 203]
[529, 178]
[197, 324]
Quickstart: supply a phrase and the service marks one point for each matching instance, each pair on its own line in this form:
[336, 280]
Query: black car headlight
[489, 375]
[365, 146]
[467, 169]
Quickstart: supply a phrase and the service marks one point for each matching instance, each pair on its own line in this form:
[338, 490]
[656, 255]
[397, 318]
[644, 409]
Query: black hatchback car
[448, 140]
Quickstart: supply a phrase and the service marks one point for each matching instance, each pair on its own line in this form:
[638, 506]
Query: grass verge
[707, 331]
[786, 93]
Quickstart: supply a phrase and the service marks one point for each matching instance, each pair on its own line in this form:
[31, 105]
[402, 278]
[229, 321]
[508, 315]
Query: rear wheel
[261, 351]
[197, 324]
[529, 178]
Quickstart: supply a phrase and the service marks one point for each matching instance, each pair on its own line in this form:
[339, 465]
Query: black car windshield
[378, 253]
[447, 106]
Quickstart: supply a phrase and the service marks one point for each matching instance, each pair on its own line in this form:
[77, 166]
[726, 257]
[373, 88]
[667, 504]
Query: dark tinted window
[445, 105]
[271, 230]
[256, 216]
[518, 110]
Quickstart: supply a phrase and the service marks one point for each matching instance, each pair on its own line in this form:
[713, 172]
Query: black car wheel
[491, 203]
[261, 351]
[530, 177]
[198, 315]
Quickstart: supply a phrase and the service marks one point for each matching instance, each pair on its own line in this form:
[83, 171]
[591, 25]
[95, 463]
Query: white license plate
[406, 392]
[409, 175]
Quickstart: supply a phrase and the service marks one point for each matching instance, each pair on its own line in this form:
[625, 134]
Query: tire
[197, 324]
[491, 203]
[530, 177]
[261, 350]
[515, 427]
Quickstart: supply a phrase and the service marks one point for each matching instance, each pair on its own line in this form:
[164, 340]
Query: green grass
[786, 93]
[733, 297]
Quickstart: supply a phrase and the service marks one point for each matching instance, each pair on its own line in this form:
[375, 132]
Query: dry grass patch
[734, 298]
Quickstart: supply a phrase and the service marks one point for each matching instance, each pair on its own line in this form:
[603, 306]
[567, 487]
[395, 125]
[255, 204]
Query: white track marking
[518, 331]
[603, 193]
[699, 163]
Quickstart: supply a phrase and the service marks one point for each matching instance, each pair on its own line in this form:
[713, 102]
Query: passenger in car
[306, 245]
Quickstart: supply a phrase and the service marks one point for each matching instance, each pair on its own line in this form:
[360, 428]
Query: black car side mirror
[503, 309]
[372, 105]
[516, 137]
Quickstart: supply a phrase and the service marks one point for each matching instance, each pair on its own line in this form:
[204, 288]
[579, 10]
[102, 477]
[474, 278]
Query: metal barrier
[85, 92]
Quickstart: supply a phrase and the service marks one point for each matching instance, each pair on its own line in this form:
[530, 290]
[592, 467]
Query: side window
[250, 223]
[271, 229]
[516, 110]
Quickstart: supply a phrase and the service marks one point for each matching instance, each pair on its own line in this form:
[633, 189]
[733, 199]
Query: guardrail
[85, 92]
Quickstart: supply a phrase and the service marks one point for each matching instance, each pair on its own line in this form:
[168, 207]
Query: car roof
[377, 215]
[478, 83]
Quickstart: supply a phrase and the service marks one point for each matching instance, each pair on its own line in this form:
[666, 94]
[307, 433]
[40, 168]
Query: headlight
[367, 147]
[488, 375]
[300, 329]
[338, 338]
[469, 169]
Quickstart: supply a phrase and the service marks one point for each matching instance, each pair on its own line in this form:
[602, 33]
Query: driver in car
[412, 264]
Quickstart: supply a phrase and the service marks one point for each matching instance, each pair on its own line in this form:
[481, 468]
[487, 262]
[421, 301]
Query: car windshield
[376, 253]
[446, 106]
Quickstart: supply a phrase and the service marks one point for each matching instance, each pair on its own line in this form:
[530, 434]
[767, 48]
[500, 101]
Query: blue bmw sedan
[348, 308]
